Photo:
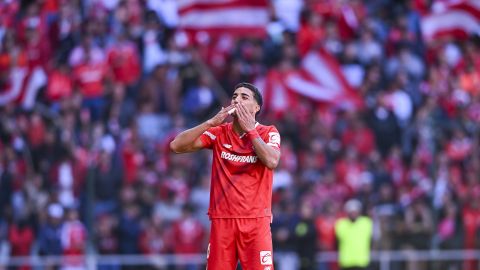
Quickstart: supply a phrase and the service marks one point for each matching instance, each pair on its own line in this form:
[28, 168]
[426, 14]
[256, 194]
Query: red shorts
[246, 239]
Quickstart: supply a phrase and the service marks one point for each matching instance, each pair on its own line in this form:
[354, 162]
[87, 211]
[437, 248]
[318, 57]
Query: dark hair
[256, 93]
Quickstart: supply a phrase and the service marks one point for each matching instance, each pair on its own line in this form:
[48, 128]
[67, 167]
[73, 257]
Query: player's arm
[266, 153]
[189, 140]
[269, 155]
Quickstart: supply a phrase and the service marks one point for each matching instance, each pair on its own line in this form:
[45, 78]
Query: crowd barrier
[382, 259]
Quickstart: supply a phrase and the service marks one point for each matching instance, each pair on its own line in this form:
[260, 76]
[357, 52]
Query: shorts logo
[266, 258]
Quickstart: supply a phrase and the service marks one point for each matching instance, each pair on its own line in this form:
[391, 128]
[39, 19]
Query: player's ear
[257, 108]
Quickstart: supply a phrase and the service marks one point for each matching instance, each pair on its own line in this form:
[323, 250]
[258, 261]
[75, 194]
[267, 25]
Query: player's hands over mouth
[219, 117]
[244, 117]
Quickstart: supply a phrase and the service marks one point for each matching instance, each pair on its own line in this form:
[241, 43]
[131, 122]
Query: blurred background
[375, 100]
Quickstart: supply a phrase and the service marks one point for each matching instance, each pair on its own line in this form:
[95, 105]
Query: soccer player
[245, 153]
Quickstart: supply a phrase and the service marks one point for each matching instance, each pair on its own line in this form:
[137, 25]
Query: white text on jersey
[244, 159]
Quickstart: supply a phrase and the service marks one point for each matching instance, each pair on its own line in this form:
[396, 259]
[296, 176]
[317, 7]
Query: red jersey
[124, 61]
[59, 86]
[188, 234]
[89, 77]
[241, 184]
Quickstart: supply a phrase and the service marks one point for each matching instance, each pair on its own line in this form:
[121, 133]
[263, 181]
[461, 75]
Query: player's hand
[244, 117]
[219, 117]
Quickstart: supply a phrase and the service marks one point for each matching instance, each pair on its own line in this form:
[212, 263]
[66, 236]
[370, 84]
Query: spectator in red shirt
[349, 169]
[32, 19]
[74, 239]
[360, 137]
[89, 76]
[123, 59]
[459, 147]
[155, 238]
[189, 233]
[21, 237]
[330, 189]
[325, 227]
[60, 84]
[311, 32]
[37, 49]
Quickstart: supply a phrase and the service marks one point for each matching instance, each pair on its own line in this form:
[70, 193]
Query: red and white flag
[238, 17]
[457, 18]
[318, 78]
[276, 97]
[23, 86]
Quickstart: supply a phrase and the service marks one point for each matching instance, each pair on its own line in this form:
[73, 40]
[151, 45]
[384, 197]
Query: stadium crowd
[86, 158]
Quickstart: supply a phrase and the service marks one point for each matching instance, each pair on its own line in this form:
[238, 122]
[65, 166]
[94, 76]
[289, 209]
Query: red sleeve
[209, 136]
[272, 137]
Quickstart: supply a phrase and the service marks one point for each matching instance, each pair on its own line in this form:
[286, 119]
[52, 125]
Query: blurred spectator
[418, 222]
[354, 236]
[60, 86]
[156, 237]
[106, 239]
[152, 43]
[199, 196]
[107, 178]
[189, 235]
[49, 237]
[123, 59]
[325, 230]
[311, 32]
[306, 237]
[384, 213]
[283, 226]
[74, 240]
[385, 125]
[89, 77]
[170, 209]
[21, 238]
[129, 229]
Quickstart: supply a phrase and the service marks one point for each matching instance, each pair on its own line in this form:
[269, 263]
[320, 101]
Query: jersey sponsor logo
[226, 145]
[243, 159]
[274, 139]
[265, 257]
[209, 134]
[267, 268]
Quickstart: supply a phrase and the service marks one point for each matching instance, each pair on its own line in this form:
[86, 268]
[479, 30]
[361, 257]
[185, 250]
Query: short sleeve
[209, 137]
[273, 138]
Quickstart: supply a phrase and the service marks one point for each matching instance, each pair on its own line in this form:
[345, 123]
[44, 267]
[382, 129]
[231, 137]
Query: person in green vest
[354, 235]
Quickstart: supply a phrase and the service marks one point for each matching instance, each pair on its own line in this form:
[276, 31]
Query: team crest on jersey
[274, 139]
[266, 257]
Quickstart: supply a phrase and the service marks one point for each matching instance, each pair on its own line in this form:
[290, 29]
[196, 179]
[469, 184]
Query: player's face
[246, 97]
